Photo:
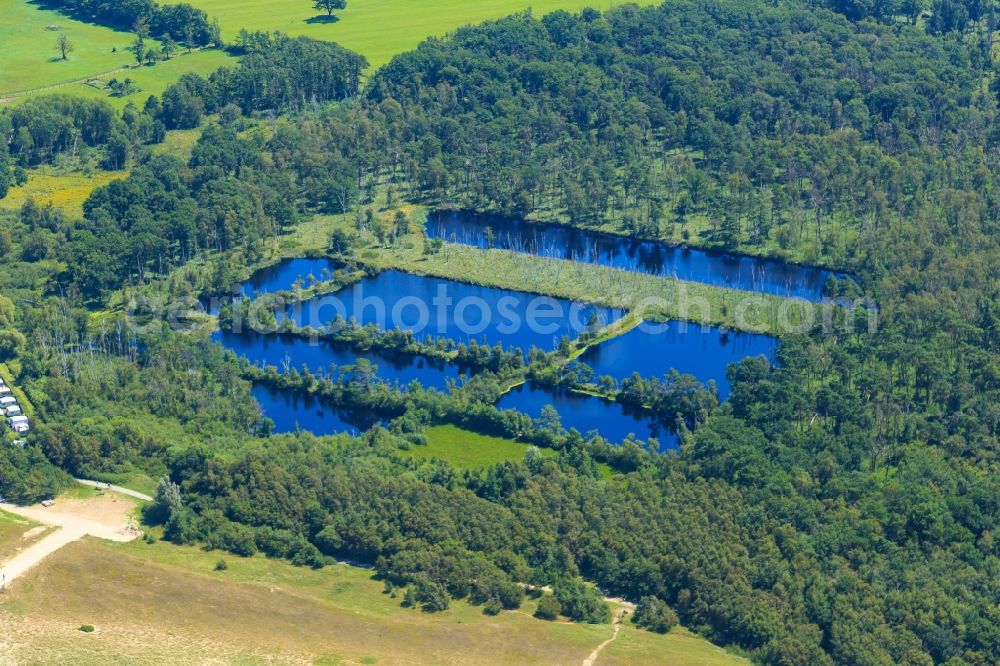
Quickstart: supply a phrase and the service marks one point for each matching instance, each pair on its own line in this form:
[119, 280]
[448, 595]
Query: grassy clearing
[681, 647]
[32, 64]
[78, 491]
[157, 603]
[468, 450]
[179, 143]
[28, 48]
[133, 481]
[16, 533]
[149, 79]
[66, 190]
[465, 449]
[377, 29]
[153, 80]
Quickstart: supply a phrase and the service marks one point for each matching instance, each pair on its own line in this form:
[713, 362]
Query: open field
[28, 48]
[17, 533]
[377, 29]
[76, 513]
[464, 449]
[178, 143]
[32, 62]
[66, 190]
[153, 80]
[468, 450]
[135, 481]
[165, 604]
[682, 647]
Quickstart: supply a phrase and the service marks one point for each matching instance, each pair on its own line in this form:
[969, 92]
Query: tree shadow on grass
[322, 18]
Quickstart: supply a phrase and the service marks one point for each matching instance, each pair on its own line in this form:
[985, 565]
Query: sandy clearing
[104, 516]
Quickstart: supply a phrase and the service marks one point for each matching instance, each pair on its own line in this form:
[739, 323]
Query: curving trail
[589, 661]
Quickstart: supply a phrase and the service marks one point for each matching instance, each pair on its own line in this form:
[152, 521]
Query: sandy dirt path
[589, 661]
[104, 517]
[116, 489]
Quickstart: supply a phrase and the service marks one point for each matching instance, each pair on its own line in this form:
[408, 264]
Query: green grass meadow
[31, 61]
[30, 57]
[150, 79]
[468, 450]
[377, 29]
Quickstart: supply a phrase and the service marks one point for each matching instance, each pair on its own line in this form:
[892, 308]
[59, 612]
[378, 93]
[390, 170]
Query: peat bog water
[653, 349]
[768, 276]
[283, 275]
[613, 420]
[435, 307]
[291, 410]
[293, 352]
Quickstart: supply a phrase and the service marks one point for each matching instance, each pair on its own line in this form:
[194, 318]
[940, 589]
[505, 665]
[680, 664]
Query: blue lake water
[563, 242]
[283, 351]
[653, 349]
[585, 413]
[281, 276]
[291, 410]
[434, 307]
[464, 312]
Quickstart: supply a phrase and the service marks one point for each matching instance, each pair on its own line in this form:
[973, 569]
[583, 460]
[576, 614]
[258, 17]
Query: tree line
[179, 22]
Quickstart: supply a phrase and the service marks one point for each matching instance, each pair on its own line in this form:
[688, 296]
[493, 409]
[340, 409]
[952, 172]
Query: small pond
[585, 413]
[291, 410]
[652, 349]
[283, 275]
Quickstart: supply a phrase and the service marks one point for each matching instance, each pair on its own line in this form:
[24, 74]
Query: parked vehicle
[13, 410]
[19, 424]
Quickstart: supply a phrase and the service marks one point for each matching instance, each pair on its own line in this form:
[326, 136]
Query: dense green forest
[841, 507]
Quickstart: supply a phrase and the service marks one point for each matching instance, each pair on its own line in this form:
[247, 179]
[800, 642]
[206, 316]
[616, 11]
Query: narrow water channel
[564, 242]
